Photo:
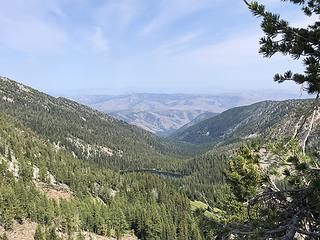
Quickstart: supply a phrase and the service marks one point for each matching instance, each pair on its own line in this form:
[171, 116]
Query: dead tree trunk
[315, 110]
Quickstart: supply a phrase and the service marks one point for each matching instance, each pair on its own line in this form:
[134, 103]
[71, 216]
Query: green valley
[205, 152]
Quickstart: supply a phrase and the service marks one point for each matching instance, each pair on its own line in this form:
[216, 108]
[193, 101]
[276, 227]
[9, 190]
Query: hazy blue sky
[122, 46]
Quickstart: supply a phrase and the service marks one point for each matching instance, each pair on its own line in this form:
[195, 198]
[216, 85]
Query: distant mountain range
[163, 114]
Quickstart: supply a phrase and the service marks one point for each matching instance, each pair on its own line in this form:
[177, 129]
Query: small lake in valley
[159, 173]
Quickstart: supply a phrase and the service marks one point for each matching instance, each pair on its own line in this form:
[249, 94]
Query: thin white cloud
[55, 8]
[170, 11]
[119, 12]
[32, 36]
[99, 41]
[235, 51]
[178, 44]
[26, 28]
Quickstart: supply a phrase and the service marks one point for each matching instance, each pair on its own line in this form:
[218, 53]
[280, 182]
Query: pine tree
[120, 224]
[51, 234]
[39, 235]
[296, 42]
[80, 236]
[287, 199]
[243, 175]
[4, 237]
[7, 207]
[294, 207]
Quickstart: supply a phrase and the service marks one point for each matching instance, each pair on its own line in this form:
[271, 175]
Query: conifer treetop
[297, 42]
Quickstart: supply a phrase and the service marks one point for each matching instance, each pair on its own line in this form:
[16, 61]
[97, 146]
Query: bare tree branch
[312, 234]
[292, 227]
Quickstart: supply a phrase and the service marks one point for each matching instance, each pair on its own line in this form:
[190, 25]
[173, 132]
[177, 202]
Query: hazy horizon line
[249, 91]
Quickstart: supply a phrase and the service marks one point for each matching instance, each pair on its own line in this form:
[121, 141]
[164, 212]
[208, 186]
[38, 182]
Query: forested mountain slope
[200, 118]
[268, 119]
[96, 200]
[43, 178]
[89, 134]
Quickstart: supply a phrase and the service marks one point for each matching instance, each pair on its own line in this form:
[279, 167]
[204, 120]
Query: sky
[126, 46]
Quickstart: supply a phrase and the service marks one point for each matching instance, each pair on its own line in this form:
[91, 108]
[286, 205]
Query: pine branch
[245, 1]
[284, 30]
